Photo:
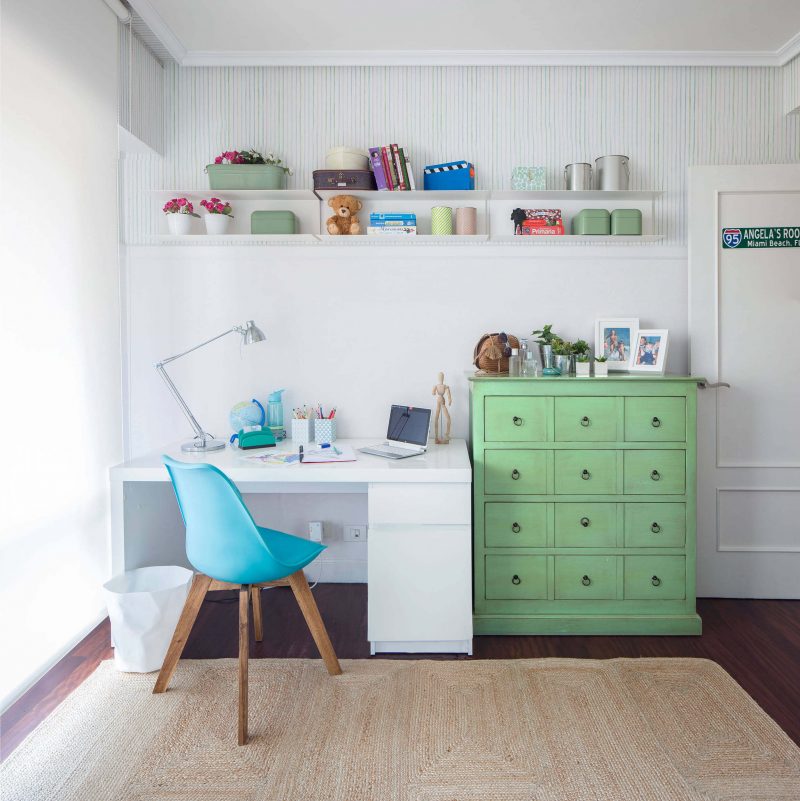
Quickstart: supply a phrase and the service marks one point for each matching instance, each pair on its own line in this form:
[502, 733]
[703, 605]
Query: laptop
[407, 434]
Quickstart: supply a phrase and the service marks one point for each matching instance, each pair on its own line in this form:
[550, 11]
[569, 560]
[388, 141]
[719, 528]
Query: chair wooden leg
[255, 596]
[308, 606]
[188, 616]
[244, 642]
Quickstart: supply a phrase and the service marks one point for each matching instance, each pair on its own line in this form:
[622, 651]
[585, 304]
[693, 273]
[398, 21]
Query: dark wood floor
[757, 642]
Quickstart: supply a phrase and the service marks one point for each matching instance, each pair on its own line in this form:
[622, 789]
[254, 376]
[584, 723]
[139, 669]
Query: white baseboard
[337, 571]
[7, 700]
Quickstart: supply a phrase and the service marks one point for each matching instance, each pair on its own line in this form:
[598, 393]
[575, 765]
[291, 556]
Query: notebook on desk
[407, 434]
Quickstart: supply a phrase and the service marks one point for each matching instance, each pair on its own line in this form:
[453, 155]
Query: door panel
[744, 302]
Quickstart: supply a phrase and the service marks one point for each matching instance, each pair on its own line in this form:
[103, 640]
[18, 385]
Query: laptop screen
[409, 424]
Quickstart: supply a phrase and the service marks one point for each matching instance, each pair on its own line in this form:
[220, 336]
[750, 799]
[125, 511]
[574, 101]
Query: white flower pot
[601, 369]
[582, 369]
[217, 224]
[179, 224]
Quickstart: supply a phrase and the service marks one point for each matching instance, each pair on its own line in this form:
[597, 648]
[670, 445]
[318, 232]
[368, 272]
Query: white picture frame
[619, 330]
[650, 351]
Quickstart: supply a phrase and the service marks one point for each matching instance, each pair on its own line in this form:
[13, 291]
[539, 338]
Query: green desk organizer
[626, 222]
[592, 221]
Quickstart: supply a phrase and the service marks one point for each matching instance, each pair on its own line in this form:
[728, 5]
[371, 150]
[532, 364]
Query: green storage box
[245, 176]
[591, 221]
[626, 222]
[273, 222]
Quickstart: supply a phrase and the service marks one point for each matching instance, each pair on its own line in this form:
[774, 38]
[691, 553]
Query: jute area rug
[544, 729]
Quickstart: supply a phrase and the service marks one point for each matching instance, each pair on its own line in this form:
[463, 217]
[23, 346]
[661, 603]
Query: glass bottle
[514, 363]
[530, 368]
[523, 356]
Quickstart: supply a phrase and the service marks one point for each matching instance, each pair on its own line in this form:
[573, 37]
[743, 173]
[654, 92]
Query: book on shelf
[392, 230]
[392, 168]
[392, 218]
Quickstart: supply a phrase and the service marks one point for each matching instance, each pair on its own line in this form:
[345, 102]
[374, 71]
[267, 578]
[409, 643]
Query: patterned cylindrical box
[441, 221]
[466, 221]
[324, 431]
[303, 431]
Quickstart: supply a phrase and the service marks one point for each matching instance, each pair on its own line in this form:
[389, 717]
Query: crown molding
[459, 58]
[479, 58]
[160, 29]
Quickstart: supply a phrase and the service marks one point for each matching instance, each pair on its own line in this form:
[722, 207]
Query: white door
[744, 325]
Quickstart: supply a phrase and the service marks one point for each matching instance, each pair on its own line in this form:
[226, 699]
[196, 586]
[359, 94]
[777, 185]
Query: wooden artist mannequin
[443, 400]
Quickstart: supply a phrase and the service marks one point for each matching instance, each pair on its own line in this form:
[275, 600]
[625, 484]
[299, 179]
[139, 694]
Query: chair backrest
[222, 540]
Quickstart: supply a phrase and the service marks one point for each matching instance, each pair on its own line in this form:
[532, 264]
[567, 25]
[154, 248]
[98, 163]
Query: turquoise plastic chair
[226, 547]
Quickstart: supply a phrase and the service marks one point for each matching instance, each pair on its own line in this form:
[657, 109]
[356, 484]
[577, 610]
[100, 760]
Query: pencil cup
[466, 220]
[324, 431]
[303, 431]
[441, 221]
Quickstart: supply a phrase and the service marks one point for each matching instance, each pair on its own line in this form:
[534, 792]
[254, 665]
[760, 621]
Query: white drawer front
[423, 504]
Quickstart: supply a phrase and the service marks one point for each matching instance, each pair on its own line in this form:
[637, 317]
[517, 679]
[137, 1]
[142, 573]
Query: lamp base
[196, 446]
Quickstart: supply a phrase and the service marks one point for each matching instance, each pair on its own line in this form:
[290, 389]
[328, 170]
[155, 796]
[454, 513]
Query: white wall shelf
[494, 216]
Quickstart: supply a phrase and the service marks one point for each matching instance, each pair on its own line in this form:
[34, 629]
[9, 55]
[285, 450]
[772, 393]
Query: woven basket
[488, 356]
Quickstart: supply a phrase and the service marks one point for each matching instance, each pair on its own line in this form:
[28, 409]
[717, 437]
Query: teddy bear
[344, 219]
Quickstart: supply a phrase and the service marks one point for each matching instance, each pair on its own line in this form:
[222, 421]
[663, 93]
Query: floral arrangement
[250, 157]
[179, 205]
[216, 206]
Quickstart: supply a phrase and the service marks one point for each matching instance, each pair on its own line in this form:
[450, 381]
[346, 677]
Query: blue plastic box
[453, 175]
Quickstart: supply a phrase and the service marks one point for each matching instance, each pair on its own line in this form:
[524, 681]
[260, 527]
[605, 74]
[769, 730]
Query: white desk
[419, 547]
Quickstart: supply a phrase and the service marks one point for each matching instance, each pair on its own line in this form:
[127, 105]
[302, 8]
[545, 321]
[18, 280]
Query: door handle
[586, 581]
[516, 580]
[655, 475]
[586, 475]
[585, 522]
[655, 581]
[713, 385]
[515, 474]
[516, 528]
[585, 421]
[517, 420]
[655, 528]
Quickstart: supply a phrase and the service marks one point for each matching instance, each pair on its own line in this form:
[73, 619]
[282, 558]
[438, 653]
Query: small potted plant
[564, 356]
[600, 367]
[179, 213]
[247, 169]
[545, 337]
[218, 217]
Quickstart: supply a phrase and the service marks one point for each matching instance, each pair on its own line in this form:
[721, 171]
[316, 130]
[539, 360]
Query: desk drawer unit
[584, 505]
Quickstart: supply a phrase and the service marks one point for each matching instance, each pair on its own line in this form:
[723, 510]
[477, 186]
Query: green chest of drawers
[584, 505]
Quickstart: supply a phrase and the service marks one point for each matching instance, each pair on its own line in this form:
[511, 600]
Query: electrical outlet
[355, 532]
[315, 530]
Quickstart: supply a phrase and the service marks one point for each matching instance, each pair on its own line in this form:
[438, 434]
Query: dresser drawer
[586, 577]
[511, 419]
[580, 525]
[521, 578]
[586, 419]
[515, 525]
[655, 525]
[655, 577]
[515, 472]
[586, 472]
[655, 419]
[655, 472]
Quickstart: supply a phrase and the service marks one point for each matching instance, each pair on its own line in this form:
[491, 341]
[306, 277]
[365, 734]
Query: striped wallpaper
[791, 86]
[141, 90]
[664, 118]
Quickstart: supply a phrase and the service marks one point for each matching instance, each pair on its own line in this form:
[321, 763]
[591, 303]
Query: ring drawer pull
[586, 581]
[515, 579]
[585, 421]
[517, 420]
[516, 528]
[655, 581]
[586, 475]
[655, 422]
[515, 474]
[655, 475]
[585, 522]
[655, 528]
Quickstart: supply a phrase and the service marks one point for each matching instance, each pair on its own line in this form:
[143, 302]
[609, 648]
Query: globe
[246, 413]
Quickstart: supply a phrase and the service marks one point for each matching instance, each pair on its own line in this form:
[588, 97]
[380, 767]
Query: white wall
[59, 326]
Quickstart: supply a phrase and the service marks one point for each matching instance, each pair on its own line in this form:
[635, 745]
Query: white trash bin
[144, 606]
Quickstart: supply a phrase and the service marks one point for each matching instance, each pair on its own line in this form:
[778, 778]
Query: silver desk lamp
[203, 442]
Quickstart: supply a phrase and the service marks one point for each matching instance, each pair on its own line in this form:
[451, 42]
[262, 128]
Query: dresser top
[688, 379]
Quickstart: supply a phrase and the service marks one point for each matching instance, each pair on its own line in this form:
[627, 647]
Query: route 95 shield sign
[788, 237]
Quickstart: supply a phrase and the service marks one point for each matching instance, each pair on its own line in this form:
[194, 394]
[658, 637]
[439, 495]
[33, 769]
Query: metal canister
[613, 172]
[578, 176]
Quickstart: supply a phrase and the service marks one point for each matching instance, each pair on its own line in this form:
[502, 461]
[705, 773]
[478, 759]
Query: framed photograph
[650, 351]
[614, 338]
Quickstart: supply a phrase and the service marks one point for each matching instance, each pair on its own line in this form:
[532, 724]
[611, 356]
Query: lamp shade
[252, 333]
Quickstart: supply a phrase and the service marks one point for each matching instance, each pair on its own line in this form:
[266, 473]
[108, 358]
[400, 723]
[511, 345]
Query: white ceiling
[476, 31]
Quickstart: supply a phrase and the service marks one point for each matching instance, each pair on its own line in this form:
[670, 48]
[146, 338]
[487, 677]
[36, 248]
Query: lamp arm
[236, 328]
[199, 433]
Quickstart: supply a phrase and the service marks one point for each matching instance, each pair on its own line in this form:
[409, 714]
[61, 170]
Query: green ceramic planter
[245, 176]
